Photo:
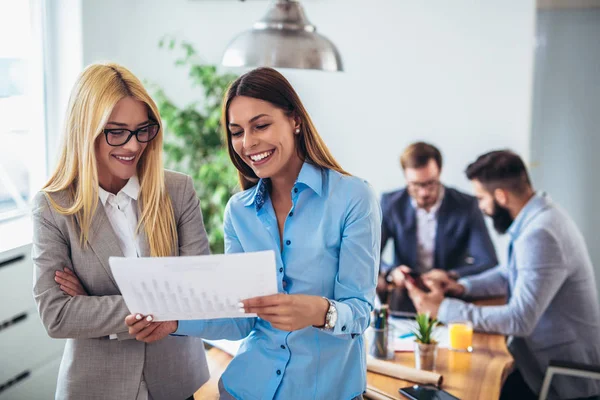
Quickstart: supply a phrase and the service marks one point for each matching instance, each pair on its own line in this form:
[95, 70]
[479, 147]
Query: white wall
[565, 139]
[456, 73]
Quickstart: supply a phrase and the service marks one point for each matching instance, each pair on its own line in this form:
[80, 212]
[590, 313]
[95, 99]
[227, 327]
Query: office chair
[570, 369]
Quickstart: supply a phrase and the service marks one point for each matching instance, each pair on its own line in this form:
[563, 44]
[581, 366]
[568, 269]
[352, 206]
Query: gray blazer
[93, 366]
[553, 311]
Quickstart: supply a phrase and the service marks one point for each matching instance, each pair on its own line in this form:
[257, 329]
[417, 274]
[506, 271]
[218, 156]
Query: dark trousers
[515, 388]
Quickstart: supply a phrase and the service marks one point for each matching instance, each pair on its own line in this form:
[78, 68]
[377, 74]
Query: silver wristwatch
[331, 316]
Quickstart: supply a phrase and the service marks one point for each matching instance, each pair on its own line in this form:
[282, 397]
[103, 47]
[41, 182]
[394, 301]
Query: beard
[426, 202]
[429, 200]
[501, 218]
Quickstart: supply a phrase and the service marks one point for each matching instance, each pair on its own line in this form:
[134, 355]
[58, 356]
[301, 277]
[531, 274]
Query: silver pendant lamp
[284, 38]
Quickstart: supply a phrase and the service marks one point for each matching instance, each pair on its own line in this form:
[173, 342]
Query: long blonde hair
[97, 90]
[269, 85]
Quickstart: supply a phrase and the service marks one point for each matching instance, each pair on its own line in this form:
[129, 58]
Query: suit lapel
[103, 240]
[144, 244]
[409, 221]
[440, 248]
[442, 225]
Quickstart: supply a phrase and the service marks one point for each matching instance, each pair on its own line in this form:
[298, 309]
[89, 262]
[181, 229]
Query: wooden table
[476, 375]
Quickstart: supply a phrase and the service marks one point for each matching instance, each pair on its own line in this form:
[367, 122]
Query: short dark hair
[417, 155]
[500, 169]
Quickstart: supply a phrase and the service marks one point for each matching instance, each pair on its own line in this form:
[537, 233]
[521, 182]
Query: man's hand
[426, 302]
[382, 284]
[439, 276]
[454, 289]
[289, 312]
[144, 330]
[397, 280]
[444, 280]
[398, 277]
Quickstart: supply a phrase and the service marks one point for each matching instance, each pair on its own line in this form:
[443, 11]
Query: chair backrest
[570, 369]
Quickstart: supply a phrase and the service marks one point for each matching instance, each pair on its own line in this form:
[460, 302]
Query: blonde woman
[325, 227]
[110, 196]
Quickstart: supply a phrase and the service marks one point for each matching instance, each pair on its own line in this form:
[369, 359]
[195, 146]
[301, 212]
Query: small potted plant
[425, 344]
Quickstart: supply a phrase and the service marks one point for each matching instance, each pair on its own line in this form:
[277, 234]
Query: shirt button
[295, 190]
[280, 269]
[282, 347]
[288, 242]
[278, 372]
[291, 214]
[343, 328]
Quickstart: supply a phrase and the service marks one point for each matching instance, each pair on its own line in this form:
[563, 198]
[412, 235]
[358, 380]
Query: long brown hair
[269, 85]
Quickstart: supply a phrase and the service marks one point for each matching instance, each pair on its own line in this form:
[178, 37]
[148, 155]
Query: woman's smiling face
[263, 136]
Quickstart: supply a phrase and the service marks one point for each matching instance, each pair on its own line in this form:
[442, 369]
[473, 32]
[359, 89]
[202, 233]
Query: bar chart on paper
[199, 287]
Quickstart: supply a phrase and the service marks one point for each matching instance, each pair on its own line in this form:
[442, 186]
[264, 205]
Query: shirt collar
[310, 176]
[436, 206]
[535, 204]
[131, 189]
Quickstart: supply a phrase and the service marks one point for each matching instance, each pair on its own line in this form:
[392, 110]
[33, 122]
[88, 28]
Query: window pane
[21, 113]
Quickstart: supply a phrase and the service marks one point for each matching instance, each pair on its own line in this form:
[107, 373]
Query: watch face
[333, 318]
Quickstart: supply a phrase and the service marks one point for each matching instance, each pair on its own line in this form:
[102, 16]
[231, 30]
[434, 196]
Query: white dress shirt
[427, 222]
[121, 210]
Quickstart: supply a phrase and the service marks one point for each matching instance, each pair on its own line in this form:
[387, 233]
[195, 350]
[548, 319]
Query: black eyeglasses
[428, 185]
[120, 136]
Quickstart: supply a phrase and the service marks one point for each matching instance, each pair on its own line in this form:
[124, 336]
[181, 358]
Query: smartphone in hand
[415, 278]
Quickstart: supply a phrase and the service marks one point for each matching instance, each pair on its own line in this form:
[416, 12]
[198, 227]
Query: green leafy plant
[425, 329]
[194, 143]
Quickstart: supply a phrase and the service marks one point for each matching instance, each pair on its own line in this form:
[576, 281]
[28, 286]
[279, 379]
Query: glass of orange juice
[461, 335]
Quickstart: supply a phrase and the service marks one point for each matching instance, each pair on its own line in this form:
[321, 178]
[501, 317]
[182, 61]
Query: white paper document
[200, 287]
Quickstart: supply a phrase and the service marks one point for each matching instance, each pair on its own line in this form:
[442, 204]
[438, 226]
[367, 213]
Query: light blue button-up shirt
[331, 245]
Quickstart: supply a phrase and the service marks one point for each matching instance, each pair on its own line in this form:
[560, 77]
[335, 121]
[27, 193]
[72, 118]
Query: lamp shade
[284, 38]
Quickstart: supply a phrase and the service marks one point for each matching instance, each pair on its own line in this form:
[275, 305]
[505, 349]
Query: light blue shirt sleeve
[490, 283]
[540, 274]
[214, 329]
[356, 280]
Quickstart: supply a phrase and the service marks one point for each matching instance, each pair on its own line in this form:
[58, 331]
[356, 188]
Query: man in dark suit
[436, 230]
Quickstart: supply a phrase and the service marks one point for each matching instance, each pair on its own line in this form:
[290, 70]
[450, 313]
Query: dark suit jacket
[462, 243]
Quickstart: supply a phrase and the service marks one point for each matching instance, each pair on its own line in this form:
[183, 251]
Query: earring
[297, 130]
